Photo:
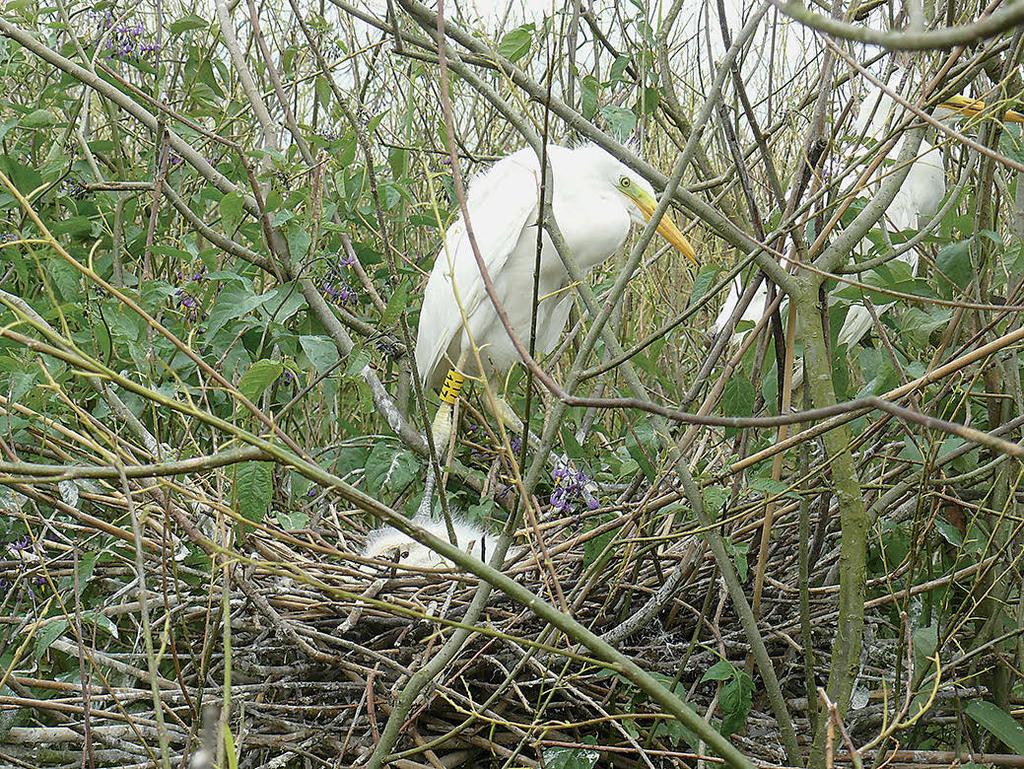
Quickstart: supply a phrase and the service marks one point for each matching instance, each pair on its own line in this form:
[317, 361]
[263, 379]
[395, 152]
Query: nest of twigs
[322, 646]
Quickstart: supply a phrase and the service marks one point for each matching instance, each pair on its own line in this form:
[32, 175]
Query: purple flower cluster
[7, 237]
[123, 41]
[184, 296]
[20, 548]
[196, 277]
[571, 486]
[190, 306]
[335, 285]
[339, 293]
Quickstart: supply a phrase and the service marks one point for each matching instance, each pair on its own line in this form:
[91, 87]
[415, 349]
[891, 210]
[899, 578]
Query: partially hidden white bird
[595, 200]
[389, 544]
[918, 198]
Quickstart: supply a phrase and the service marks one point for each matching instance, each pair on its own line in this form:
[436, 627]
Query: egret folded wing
[502, 202]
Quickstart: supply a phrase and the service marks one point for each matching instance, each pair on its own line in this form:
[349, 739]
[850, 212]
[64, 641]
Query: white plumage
[918, 198]
[595, 201]
[387, 542]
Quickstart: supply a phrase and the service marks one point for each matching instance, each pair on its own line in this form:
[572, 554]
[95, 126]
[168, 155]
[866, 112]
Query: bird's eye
[624, 182]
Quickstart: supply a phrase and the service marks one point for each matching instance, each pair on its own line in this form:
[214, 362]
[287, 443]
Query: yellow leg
[441, 429]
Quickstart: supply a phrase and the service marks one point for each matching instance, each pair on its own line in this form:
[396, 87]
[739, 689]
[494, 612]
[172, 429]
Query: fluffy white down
[594, 218]
[382, 544]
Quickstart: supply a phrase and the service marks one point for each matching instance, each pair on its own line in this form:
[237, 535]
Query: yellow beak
[968, 107]
[666, 227]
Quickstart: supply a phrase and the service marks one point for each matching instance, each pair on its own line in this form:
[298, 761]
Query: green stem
[853, 519]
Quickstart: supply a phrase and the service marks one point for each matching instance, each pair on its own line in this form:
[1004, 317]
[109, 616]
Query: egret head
[640, 193]
[636, 192]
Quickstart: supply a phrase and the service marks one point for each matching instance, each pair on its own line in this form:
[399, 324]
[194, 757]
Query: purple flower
[125, 42]
[571, 487]
[7, 237]
[348, 259]
[189, 305]
[339, 293]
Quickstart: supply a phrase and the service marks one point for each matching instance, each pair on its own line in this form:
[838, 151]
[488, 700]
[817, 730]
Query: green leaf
[396, 304]
[231, 209]
[298, 242]
[736, 699]
[75, 226]
[293, 521]
[233, 302]
[102, 621]
[619, 67]
[738, 397]
[254, 489]
[185, 23]
[229, 747]
[648, 101]
[715, 498]
[323, 90]
[766, 485]
[948, 531]
[282, 302]
[918, 325]
[357, 361]
[924, 641]
[259, 377]
[738, 551]
[66, 278]
[570, 758]
[589, 87]
[705, 279]
[720, 671]
[642, 444]
[621, 121]
[390, 468]
[321, 351]
[594, 546]
[678, 734]
[1000, 723]
[40, 118]
[516, 43]
[86, 564]
[398, 159]
[954, 261]
[47, 635]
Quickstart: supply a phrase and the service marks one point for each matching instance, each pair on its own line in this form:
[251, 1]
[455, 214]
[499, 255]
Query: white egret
[917, 199]
[596, 199]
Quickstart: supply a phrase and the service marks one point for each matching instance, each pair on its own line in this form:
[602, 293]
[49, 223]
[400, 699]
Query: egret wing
[502, 202]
